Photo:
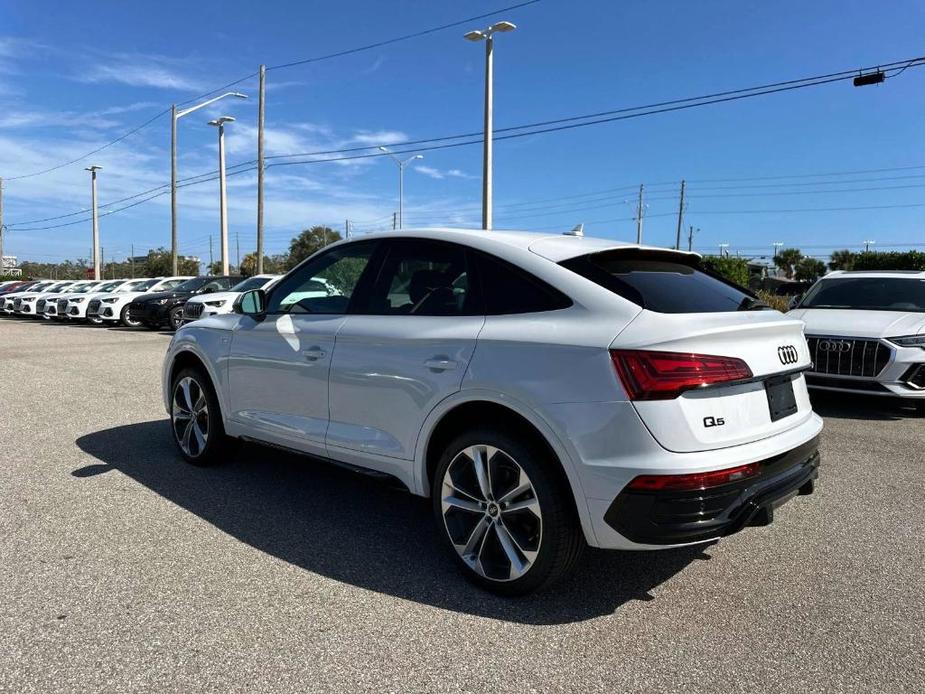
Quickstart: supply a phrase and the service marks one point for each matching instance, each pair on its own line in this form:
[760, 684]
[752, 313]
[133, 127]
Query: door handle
[440, 364]
[314, 354]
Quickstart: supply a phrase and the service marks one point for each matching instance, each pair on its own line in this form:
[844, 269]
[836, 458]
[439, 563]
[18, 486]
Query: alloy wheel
[491, 513]
[190, 416]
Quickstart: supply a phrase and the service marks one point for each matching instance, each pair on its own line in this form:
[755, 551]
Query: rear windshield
[662, 282]
[867, 293]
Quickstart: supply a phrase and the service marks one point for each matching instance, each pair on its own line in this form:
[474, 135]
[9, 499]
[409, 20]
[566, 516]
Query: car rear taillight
[693, 481]
[665, 375]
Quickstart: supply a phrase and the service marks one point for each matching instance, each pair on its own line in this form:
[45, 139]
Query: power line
[566, 123]
[808, 209]
[406, 37]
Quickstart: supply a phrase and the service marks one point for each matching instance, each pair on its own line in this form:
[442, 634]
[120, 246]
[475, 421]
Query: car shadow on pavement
[863, 407]
[359, 530]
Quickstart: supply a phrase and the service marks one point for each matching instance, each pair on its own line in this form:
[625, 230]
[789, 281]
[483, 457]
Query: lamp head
[221, 120]
[93, 167]
[475, 36]
[502, 26]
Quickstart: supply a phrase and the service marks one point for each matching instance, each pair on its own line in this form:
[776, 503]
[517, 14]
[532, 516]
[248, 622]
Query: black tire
[216, 442]
[559, 540]
[126, 320]
[175, 318]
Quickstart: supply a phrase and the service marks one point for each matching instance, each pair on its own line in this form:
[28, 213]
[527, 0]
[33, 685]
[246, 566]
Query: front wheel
[126, 319]
[195, 418]
[506, 516]
[94, 320]
[175, 318]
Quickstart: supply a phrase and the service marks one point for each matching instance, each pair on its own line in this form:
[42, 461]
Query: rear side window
[661, 282]
[507, 289]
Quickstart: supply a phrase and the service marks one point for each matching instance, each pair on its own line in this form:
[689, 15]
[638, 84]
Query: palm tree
[842, 260]
[786, 259]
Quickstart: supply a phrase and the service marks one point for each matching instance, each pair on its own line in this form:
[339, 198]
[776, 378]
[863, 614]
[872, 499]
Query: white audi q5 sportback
[866, 333]
[546, 391]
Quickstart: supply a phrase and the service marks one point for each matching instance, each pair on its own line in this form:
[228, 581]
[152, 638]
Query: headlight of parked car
[161, 302]
[77, 300]
[28, 298]
[909, 341]
[111, 300]
[216, 304]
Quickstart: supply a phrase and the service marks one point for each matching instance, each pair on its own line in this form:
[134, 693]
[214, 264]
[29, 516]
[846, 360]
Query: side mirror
[251, 303]
[208, 290]
[794, 301]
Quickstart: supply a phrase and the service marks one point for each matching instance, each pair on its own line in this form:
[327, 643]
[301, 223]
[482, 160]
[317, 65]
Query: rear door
[405, 350]
[690, 312]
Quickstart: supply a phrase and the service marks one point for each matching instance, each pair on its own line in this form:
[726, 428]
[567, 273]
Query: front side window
[422, 278]
[867, 293]
[324, 284]
[661, 282]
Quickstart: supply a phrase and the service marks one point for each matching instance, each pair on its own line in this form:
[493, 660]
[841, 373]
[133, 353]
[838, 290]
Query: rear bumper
[673, 518]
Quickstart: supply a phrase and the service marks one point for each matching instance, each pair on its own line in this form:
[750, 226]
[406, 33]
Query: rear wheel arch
[480, 413]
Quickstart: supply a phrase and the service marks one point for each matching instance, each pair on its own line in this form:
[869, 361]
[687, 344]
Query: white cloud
[441, 174]
[141, 70]
[379, 137]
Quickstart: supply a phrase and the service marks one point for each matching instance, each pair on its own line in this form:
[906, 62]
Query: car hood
[215, 296]
[857, 323]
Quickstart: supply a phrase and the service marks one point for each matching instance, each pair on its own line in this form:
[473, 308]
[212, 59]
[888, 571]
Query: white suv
[866, 333]
[217, 303]
[545, 391]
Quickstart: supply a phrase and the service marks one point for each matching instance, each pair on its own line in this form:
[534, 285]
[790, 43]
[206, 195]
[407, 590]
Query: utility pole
[723, 250]
[261, 112]
[867, 245]
[2, 266]
[210, 254]
[394, 221]
[347, 228]
[96, 221]
[639, 216]
[690, 239]
[132, 258]
[237, 246]
[173, 189]
[677, 244]
[102, 263]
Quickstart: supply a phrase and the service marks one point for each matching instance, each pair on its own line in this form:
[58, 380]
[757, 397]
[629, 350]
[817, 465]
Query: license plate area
[781, 400]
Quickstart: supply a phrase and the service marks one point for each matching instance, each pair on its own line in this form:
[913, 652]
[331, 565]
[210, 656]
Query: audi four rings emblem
[788, 354]
[834, 346]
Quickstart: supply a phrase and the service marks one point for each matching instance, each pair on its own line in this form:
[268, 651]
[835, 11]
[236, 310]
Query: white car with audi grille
[547, 392]
[113, 308]
[866, 333]
[217, 303]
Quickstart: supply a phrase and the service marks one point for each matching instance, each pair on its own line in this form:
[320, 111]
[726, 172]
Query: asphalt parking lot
[124, 569]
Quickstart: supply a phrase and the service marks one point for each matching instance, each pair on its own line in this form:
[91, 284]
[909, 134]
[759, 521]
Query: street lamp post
[176, 115]
[486, 35]
[401, 182]
[96, 220]
[222, 192]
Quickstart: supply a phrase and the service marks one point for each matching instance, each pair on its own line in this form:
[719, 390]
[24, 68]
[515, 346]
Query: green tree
[787, 260]
[809, 269]
[159, 264]
[842, 260]
[732, 269]
[272, 265]
[310, 241]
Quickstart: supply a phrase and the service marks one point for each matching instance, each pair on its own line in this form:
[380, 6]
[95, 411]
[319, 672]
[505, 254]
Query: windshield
[868, 293]
[250, 283]
[136, 286]
[191, 285]
[109, 286]
[82, 289]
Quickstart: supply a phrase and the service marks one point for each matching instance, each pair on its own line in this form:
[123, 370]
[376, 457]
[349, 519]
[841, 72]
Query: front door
[404, 349]
[278, 367]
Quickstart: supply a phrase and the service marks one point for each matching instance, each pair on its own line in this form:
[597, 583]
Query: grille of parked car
[193, 310]
[40, 306]
[62, 305]
[847, 356]
[93, 308]
[17, 303]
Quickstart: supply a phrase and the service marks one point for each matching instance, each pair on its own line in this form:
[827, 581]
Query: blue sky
[75, 75]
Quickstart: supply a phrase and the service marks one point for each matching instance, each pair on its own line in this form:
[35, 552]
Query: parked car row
[157, 302]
